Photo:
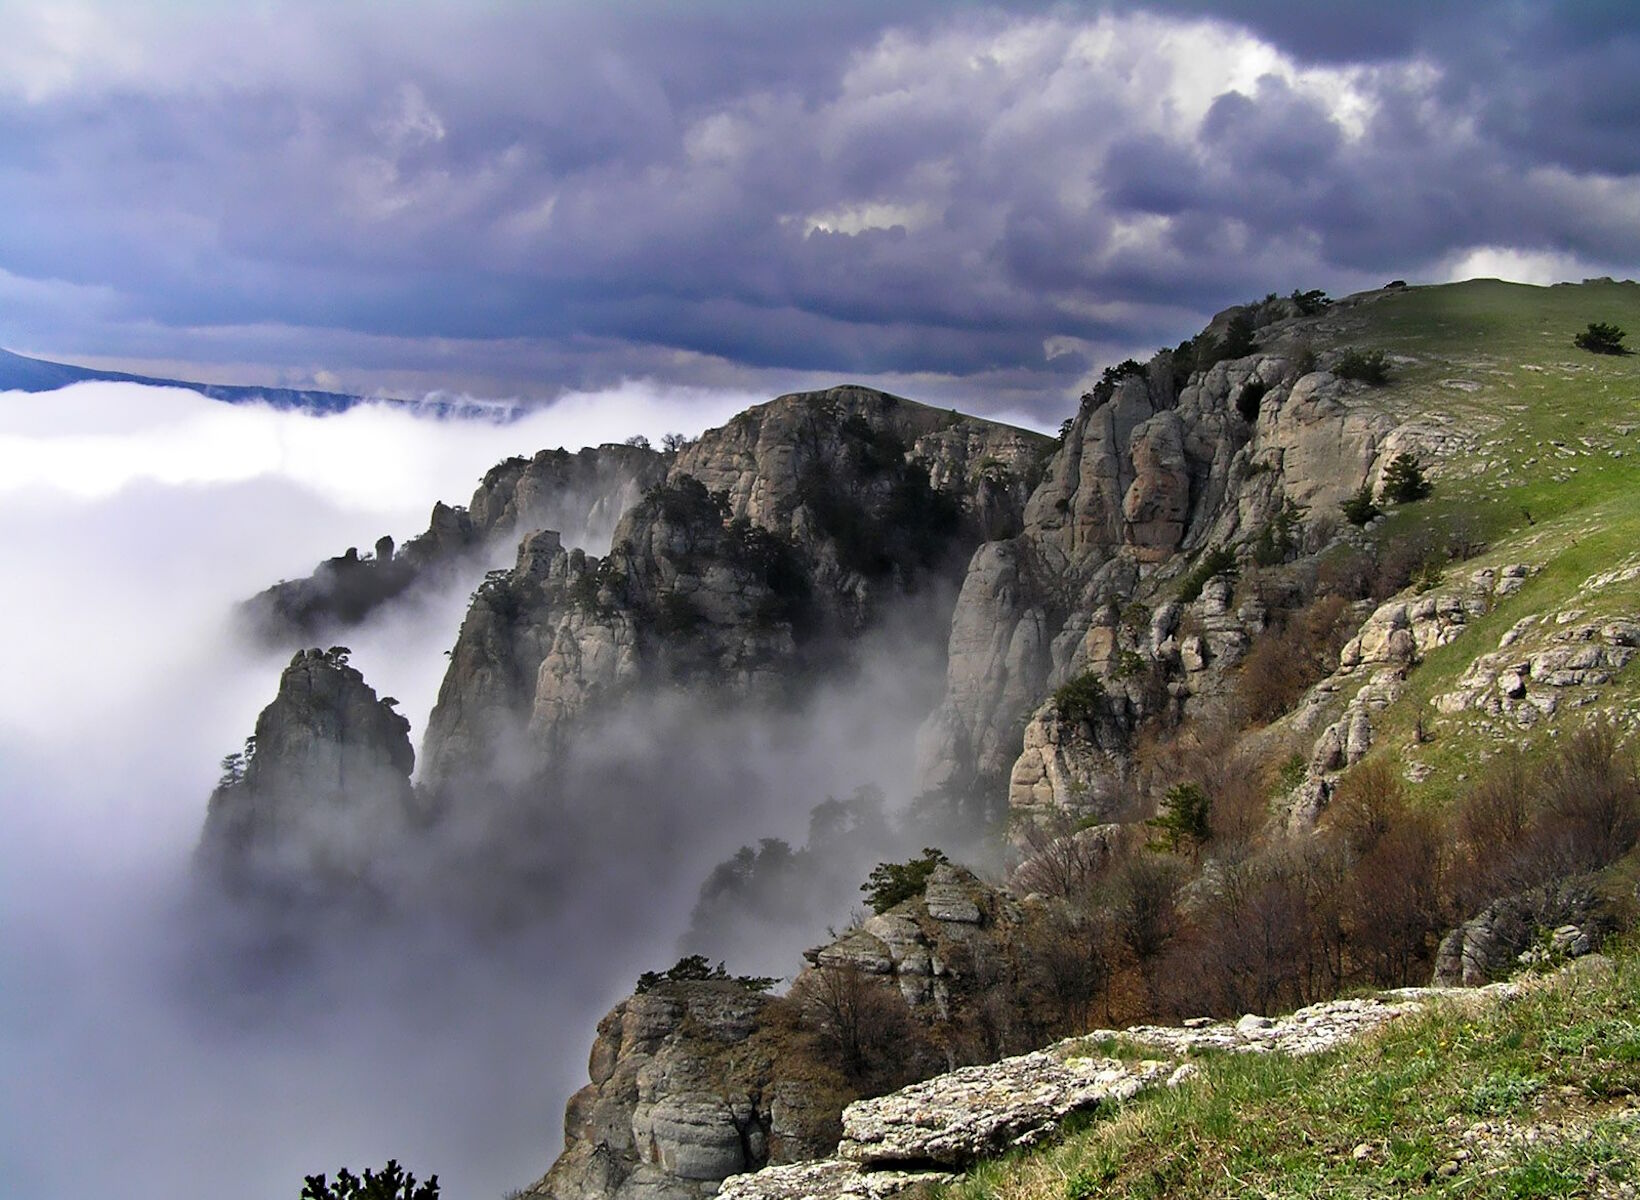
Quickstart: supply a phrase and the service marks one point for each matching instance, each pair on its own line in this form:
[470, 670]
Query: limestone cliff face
[325, 787]
[693, 1082]
[771, 542]
[684, 1092]
[579, 495]
[1144, 482]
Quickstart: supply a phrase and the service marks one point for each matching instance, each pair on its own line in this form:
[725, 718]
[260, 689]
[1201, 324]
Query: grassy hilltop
[1546, 472]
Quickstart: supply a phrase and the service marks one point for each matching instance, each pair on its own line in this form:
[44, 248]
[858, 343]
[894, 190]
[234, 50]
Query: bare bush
[1061, 858]
[863, 1022]
[1071, 955]
[1591, 797]
[1369, 804]
[1251, 944]
[1145, 910]
[1289, 657]
[1395, 907]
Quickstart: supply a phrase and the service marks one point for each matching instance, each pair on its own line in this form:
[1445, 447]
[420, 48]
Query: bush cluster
[1601, 338]
[1364, 366]
[891, 883]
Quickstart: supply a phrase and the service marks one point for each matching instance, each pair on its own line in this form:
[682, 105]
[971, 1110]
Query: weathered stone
[326, 789]
[976, 1112]
[1489, 945]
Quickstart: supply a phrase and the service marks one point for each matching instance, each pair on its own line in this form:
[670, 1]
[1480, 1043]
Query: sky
[971, 204]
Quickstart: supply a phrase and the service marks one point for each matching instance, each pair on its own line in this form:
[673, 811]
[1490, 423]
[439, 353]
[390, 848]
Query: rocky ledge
[917, 1137]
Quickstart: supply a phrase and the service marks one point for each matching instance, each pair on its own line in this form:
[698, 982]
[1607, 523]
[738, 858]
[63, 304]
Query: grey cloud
[630, 184]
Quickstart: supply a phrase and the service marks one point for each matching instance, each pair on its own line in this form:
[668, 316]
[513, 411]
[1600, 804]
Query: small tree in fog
[391, 1183]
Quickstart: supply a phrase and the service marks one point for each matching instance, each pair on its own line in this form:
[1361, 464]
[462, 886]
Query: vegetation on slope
[1535, 1096]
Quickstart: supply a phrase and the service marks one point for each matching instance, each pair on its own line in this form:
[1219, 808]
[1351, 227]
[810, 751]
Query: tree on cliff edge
[391, 1183]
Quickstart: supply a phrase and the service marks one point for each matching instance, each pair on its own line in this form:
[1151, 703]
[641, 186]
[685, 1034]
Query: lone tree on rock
[1404, 481]
[1601, 338]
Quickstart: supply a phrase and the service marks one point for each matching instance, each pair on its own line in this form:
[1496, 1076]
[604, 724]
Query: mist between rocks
[187, 1039]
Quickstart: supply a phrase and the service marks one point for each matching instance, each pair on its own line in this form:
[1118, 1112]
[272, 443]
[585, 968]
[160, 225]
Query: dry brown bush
[1396, 904]
[864, 1024]
[1369, 803]
[1287, 658]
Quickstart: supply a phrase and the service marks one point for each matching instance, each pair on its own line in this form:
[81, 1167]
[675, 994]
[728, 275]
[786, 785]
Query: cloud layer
[148, 1053]
[976, 202]
[131, 519]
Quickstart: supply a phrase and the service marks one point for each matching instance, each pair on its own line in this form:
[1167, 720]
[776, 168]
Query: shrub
[1404, 481]
[1106, 387]
[1364, 366]
[693, 968]
[1286, 659]
[1601, 338]
[864, 1024]
[1079, 699]
[1311, 302]
[1360, 508]
[1238, 338]
[1184, 818]
[1277, 540]
[891, 883]
[1145, 912]
[391, 1183]
[1218, 560]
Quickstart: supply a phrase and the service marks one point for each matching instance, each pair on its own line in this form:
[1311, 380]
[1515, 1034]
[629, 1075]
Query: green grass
[1533, 1097]
[1491, 368]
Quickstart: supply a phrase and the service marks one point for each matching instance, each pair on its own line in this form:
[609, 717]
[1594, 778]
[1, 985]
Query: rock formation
[323, 788]
[917, 1137]
[772, 542]
[580, 496]
[692, 1082]
[1145, 481]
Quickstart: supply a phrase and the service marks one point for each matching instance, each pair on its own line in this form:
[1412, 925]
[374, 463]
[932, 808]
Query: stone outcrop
[956, 938]
[685, 1090]
[1565, 919]
[580, 496]
[693, 1082]
[986, 1110]
[323, 788]
[1372, 672]
[1144, 482]
[915, 1138]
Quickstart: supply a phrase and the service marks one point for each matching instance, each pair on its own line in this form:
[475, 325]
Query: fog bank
[131, 521]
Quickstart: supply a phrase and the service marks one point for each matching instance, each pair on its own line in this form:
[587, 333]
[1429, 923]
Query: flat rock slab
[827, 1180]
[956, 1119]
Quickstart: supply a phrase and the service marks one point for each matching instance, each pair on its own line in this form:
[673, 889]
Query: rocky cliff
[771, 545]
[580, 496]
[322, 789]
[1151, 478]
[1109, 607]
[692, 1081]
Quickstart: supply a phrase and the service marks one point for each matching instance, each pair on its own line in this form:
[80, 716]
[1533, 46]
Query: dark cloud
[925, 190]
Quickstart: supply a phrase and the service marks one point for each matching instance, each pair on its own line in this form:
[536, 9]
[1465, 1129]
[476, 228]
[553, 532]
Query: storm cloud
[978, 203]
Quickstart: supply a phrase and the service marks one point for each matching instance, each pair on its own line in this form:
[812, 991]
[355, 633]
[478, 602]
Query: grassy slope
[1542, 461]
[1491, 367]
[1533, 1097]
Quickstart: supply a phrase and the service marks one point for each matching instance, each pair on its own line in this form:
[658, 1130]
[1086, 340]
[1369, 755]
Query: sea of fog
[131, 520]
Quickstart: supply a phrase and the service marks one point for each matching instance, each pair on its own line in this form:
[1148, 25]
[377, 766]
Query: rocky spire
[322, 786]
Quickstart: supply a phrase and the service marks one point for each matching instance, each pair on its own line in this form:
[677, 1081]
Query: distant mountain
[21, 374]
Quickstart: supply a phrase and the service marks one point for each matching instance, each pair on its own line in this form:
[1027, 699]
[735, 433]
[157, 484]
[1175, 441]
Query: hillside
[1529, 1094]
[1227, 725]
